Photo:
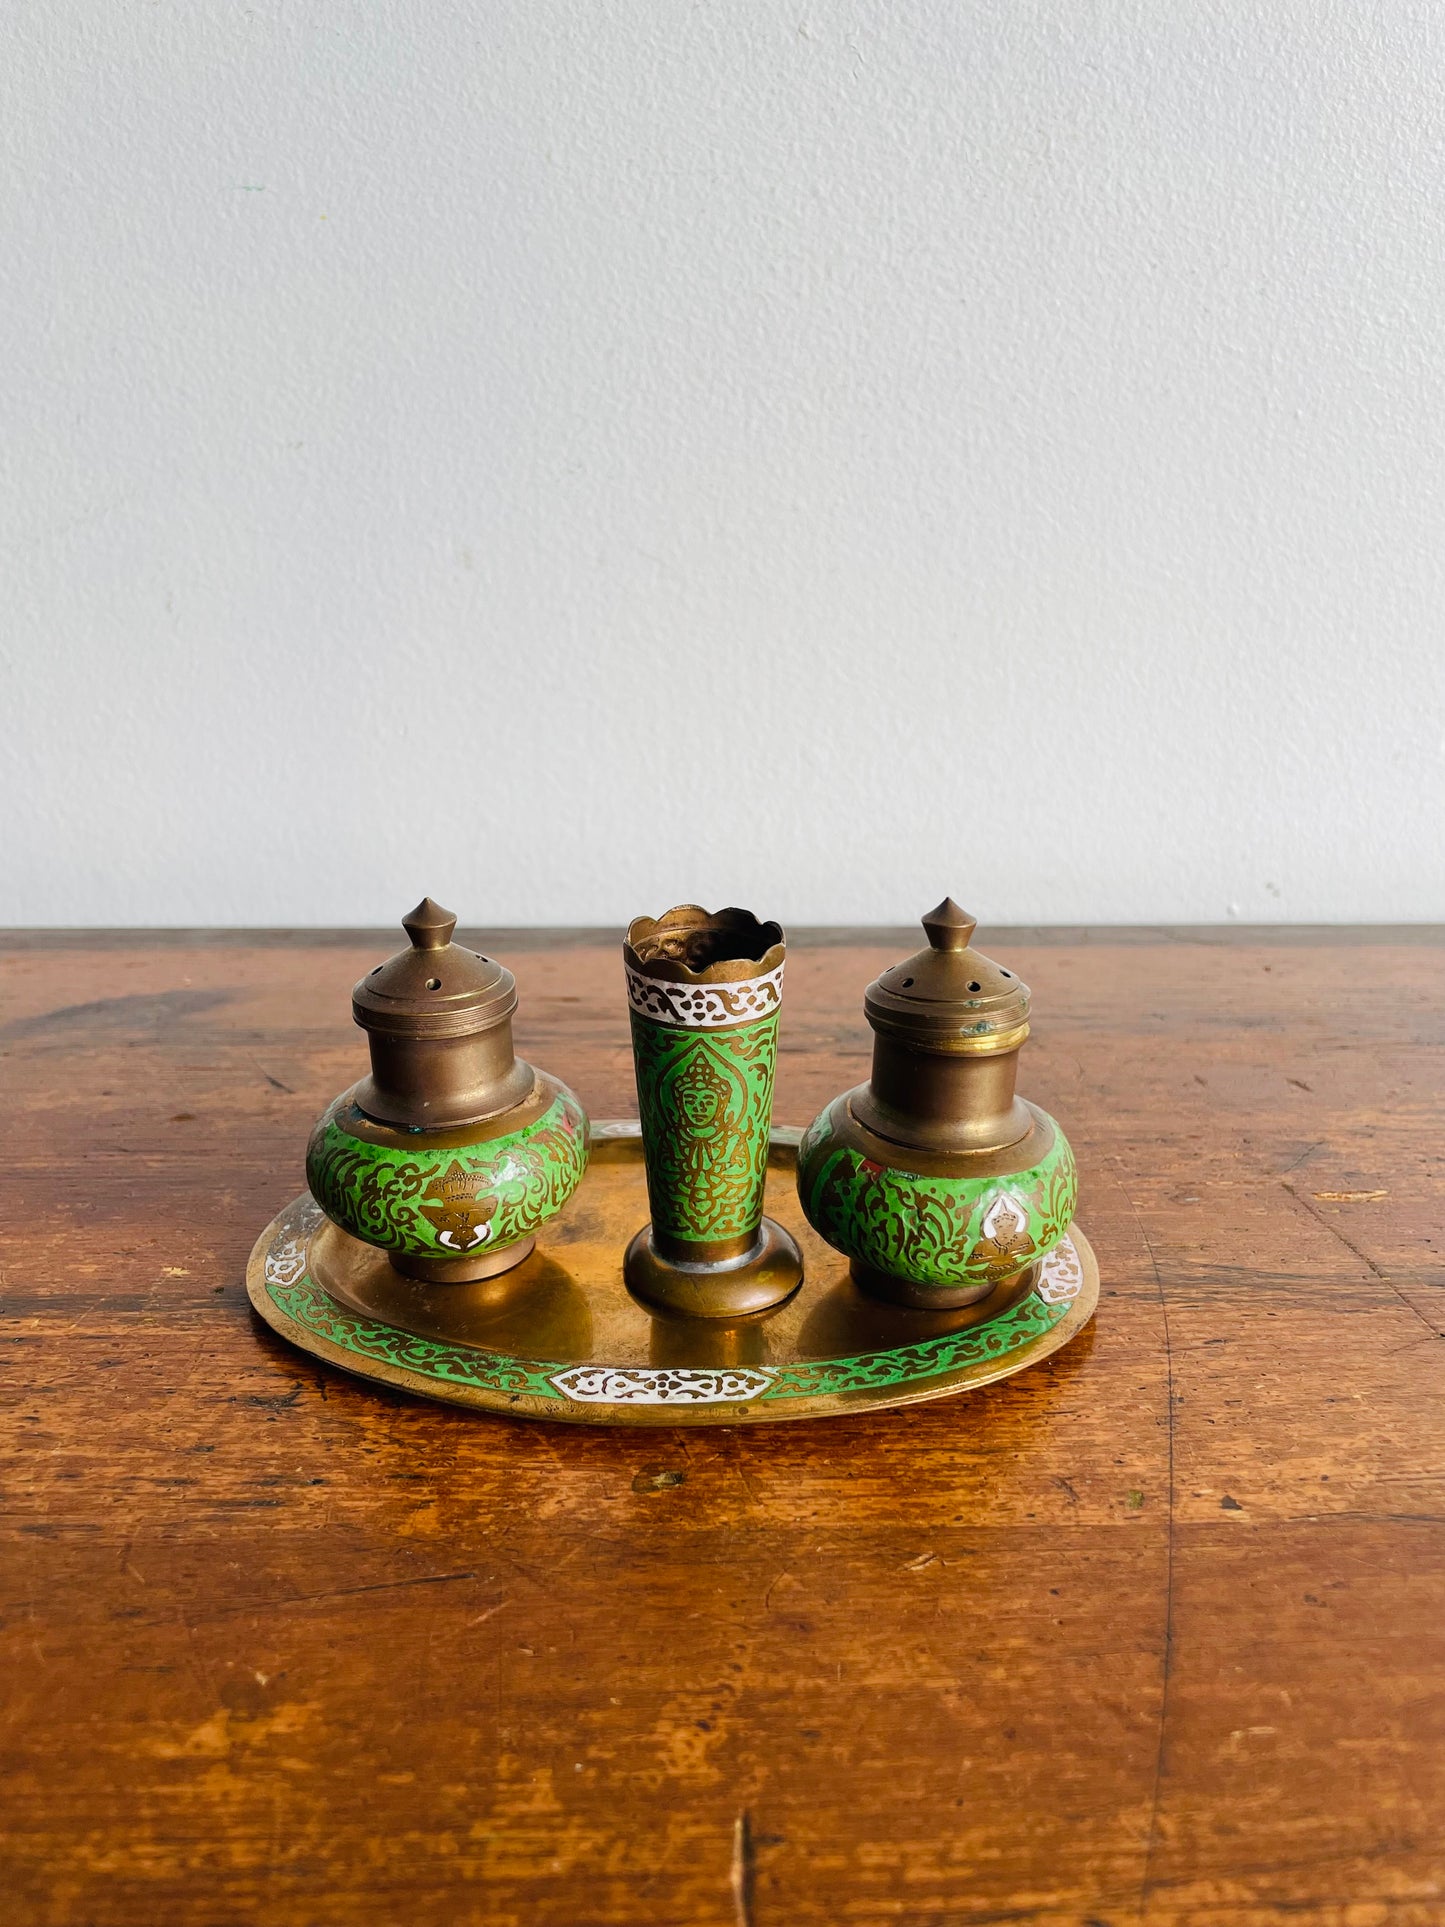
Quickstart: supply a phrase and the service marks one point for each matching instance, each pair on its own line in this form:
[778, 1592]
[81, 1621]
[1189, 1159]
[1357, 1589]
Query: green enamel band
[305, 1302]
[448, 1202]
[705, 1098]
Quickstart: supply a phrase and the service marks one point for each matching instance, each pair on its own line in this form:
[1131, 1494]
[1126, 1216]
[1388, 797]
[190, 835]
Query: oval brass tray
[560, 1338]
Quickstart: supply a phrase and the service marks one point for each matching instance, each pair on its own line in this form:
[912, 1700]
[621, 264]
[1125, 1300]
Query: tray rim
[618, 1140]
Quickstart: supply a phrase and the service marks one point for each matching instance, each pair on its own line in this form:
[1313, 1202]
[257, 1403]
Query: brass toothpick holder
[704, 991]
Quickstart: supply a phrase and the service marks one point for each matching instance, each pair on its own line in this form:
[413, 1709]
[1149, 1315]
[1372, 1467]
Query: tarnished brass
[561, 1338]
[463, 1271]
[948, 1023]
[438, 1020]
[692, 1342]
[693, 945]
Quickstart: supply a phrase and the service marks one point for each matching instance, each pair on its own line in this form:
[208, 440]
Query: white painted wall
[571, 456]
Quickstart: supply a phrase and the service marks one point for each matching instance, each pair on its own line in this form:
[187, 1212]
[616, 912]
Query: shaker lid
[434, 988]
[950, 997]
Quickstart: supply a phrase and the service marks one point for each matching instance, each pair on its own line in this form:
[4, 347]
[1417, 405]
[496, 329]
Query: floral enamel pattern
[706, 1101]
[370, 1338]
[296, 1294]
[943, 1232]
[447, 1203]
[1030, 1318]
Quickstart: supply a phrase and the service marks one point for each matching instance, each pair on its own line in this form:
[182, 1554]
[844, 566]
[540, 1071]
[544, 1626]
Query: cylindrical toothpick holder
[705, 990]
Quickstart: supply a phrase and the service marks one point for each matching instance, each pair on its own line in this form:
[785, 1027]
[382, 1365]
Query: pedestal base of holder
[463, 1271]
[761, 1280]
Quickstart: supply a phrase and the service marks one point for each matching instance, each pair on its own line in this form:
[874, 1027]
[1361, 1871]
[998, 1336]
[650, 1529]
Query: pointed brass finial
[948, 927]
[429, 926]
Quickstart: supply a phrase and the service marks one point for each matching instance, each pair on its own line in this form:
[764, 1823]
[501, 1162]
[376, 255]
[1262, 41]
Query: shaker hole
[906, 982]
[1006, 973]
[433, 983]
[377, 971]
[975, 986]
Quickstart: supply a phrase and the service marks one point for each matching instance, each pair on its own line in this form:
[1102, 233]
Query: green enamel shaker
[453, 1151]
[935, 1178]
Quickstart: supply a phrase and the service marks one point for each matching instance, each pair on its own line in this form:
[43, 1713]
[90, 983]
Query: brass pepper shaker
[453, 1151]
[935, 1178]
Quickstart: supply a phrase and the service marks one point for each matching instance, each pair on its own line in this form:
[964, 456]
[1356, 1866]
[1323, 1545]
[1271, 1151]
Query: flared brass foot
[902, 1291]
[462, 1271]
[763, 1278]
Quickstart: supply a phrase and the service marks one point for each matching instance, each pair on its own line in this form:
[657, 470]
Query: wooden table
[1151, 1634]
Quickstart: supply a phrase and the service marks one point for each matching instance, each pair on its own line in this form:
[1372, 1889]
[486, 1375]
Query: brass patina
[947, 1026]
[692, 945]
[438, 1020]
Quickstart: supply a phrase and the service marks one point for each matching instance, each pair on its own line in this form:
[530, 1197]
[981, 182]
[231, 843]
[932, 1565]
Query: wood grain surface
[1153, 1634]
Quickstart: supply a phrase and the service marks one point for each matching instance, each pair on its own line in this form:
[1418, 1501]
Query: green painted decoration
[932, 1231]
[309, 1305]
[301, 1299]
[448, 1202]
[706, 1103]
[819, 1378]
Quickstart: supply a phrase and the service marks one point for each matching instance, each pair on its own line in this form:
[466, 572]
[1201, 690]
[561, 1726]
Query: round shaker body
[930, 1228]
[473, 1196]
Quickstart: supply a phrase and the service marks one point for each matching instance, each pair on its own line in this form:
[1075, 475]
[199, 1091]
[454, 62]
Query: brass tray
[560, 1338]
